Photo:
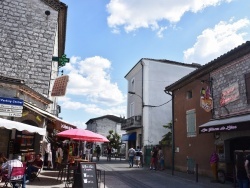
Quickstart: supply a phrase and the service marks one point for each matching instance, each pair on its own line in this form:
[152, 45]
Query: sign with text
[230, 94]
[88, 177]
[11, 107]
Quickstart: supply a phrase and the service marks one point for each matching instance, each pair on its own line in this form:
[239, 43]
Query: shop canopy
[129, 136]
[63, 124]
[8, 124]
[237, 123]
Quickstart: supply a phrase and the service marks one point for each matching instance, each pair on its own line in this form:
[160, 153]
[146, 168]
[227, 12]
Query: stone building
[32, 32]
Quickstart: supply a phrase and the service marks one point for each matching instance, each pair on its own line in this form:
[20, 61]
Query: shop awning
[63, 125]
[237, 123]
[8, 124]
[129, 136]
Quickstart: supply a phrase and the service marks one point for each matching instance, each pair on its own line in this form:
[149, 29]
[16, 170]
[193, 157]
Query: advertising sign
[11, 107]
[230, 94]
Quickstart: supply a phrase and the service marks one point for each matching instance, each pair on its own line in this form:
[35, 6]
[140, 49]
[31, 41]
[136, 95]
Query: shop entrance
[226, 167]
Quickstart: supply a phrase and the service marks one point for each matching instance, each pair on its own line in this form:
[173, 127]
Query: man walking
[138, 154]
[131, 155]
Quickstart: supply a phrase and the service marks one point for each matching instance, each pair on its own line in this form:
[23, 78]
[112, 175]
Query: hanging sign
[60, 86]
[206, 101]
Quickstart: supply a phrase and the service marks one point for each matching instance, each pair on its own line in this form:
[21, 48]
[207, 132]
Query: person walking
[131, 155]
[153, 162]
[241, 170]
[138, 154]
[160, 159]
[109, 152]
[98, 152]
[214, 159]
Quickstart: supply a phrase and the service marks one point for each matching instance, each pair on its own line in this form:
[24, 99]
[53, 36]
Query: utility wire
[158, 105]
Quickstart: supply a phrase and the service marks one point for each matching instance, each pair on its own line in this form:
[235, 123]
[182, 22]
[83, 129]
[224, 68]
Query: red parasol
[81, 134]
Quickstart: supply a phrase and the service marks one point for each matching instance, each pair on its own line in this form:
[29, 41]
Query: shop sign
[11, 107]
[230, 94]
[219, 129]
[206, 101]
[60, 86]
[67, 127]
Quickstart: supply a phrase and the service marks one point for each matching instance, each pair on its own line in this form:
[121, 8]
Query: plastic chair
[16, 171]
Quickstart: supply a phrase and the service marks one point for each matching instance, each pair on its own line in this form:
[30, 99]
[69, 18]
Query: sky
[106, 38]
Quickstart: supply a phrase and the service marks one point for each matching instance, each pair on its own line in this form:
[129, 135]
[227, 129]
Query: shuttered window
[191, 123]
[247, 81]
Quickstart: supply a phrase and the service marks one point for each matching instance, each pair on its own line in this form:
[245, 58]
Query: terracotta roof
[111, 117]
[233, 54]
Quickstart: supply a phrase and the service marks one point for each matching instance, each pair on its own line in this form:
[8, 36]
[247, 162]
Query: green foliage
[114, 139]
[167, 138]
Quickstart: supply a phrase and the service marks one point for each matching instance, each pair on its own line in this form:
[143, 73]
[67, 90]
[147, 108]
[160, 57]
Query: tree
[167, 138]
[114, 140]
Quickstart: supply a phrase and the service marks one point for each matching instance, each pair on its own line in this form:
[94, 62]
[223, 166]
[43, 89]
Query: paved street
[118, 174]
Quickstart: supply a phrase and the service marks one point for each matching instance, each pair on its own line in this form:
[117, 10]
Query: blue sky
[106, 38]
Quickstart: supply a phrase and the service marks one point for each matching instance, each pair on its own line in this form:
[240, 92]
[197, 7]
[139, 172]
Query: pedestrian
[214, 159]
[109, 152]
[153, 162]
[161, 159]
[88, 154]
[7, 167]
[241, 170]
[98, 152]
[131, 155]
[138, 154]
[59, 156]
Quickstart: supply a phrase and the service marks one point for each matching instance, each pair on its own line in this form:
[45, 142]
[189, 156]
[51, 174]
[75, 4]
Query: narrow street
[118, 174]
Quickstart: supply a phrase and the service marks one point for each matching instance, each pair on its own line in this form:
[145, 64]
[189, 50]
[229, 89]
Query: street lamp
[142, 133]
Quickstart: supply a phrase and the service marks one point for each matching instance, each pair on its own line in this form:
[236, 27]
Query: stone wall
[223, 77]
[27, 41]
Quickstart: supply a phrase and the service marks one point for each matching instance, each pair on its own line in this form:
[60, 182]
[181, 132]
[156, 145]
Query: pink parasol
[81, 134]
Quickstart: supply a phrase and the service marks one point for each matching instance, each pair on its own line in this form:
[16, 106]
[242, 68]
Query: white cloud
[91, 108]
[90, 89]
[213, 42]
[90, 78]
[135, 14]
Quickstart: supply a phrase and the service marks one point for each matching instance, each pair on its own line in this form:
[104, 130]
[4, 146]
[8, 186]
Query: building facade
[220, 123]
[32, 33]
[148, 109]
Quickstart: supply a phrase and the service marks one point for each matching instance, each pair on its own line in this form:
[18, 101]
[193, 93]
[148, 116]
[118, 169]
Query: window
[247, 82]
[189, 94]
[132, 86]
[191, 123]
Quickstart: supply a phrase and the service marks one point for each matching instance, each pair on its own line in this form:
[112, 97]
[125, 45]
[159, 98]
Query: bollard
[196, 170]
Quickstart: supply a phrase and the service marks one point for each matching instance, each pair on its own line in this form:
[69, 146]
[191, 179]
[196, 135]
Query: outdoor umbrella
[81, 134]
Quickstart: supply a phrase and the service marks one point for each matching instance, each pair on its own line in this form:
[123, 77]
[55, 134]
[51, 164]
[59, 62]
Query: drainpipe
[142, 127]
[173, 133]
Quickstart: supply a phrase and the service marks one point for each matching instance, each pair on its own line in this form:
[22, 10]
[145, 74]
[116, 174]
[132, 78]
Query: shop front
[20, 138]
[231, 136]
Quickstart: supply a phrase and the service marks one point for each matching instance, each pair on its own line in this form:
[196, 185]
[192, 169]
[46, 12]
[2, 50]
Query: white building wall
[156, 76]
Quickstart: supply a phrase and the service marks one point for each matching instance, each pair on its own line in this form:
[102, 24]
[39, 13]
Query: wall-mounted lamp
[47, 13]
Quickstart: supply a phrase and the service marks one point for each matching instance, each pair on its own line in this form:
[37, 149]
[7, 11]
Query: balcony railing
[132, 123]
